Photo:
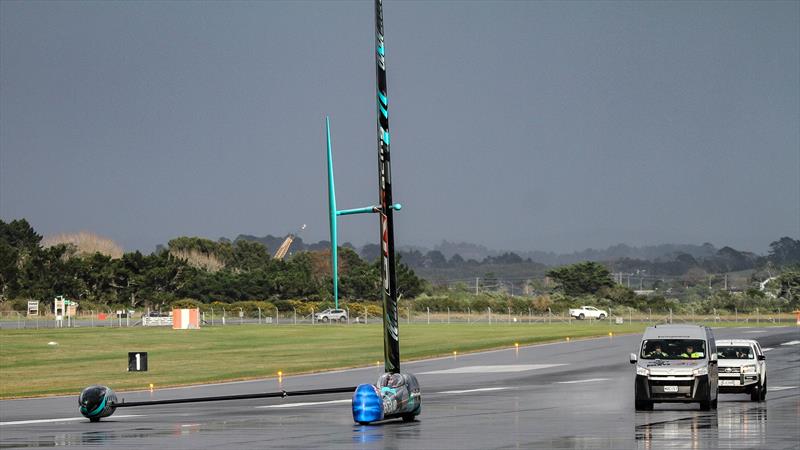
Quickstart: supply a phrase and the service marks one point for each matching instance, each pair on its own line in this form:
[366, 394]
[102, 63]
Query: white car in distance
[588, 312]
[331, 315]
[742, 368]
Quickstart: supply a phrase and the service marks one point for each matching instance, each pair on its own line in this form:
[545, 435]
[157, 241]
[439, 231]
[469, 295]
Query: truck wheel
[408, 417]
[581, 316]
[602, 316]
[755, 393]
[764, 390]
[343, 319]
[325, 319]
[714, 403]
[644, 405]
[705, 405]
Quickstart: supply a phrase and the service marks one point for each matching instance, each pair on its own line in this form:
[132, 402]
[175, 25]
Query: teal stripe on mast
[332, 217]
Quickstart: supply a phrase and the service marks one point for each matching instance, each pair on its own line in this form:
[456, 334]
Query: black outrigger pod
[96, 402]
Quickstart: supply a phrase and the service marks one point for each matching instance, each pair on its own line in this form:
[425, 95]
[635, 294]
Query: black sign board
[137, 361]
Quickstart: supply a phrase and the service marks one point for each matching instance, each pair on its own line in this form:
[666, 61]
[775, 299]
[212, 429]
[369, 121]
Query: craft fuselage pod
[397, 395]
[96, 402]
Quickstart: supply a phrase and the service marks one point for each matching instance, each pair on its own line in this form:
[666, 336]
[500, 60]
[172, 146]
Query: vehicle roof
[735, 342]
[667, 331]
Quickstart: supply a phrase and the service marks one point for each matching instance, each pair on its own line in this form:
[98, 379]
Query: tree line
[189, 267]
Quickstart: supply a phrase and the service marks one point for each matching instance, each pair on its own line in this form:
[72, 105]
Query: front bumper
[688, 389]
[735, 384]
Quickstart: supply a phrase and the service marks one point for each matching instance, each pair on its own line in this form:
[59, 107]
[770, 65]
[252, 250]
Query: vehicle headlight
[642, 371]
[700, 371]
[749, 369]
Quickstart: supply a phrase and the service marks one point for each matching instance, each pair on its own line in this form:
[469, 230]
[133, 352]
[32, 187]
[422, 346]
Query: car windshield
[735, 352]
[673, 349]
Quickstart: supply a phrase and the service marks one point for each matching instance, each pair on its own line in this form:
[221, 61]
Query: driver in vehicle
[657, 352]
[690, 353]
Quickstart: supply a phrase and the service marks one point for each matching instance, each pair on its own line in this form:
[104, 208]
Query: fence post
[295, 315]
[241, 316]
[429, 315]
[649, 314]
[409, 314]
[313, 316]
[509, 315]
[348, 316]
[490, 314]
[259, 315]
[670, 315]
[469, 315]
[277, 317]
[758, 317]
[366, 315]
[736, 314]
[91, 318]
[630, 315]
[448, 314]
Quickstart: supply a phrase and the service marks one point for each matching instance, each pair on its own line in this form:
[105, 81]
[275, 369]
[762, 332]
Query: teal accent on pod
[386, 137]
[384, 112]
[383, 98]
[380, 50]
[99, 409]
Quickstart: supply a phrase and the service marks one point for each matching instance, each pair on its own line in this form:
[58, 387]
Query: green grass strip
[83, 356]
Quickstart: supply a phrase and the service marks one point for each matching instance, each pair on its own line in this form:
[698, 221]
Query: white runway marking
[582, 381]
[295, 405]
[475, 390]
[756, 331]
[492, 369]
[766, 349]
[780, 388]
[791, 343]
[67, 419]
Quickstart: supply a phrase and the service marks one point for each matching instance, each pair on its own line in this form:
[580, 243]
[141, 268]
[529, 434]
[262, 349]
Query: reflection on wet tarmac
[741, 424]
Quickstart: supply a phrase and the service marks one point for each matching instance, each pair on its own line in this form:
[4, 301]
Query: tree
[784, 251]
[249, 255]
[582, 278]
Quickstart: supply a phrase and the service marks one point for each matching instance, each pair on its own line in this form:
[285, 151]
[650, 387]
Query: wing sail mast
[391, 342]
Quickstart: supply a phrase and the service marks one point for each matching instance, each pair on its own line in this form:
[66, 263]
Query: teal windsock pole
[332, 216]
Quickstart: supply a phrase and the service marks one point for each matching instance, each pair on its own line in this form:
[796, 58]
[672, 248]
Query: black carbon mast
[391, 343]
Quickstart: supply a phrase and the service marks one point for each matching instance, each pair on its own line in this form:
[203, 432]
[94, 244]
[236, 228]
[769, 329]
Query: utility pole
[726, 281]
[476, 285]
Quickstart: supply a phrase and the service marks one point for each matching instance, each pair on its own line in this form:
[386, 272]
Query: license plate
[727, 382]
[670, 388]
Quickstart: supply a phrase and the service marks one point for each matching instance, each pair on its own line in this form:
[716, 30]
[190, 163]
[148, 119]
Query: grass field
[84, 356]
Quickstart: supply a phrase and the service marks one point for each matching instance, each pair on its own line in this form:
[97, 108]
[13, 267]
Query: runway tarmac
[565, 395]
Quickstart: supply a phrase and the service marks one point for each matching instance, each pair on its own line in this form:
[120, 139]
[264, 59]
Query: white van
[676, 363]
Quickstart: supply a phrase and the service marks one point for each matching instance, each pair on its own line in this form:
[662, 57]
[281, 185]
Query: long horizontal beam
[280, 394]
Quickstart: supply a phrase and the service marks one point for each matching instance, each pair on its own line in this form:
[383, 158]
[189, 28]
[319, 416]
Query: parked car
[742, 368]
[676, 363]
[588, 312]
[332, 315]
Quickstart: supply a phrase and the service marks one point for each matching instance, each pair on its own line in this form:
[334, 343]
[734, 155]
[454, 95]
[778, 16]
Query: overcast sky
[517, 125]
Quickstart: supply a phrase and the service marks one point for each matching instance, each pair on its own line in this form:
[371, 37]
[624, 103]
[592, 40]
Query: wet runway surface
[566, 395]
